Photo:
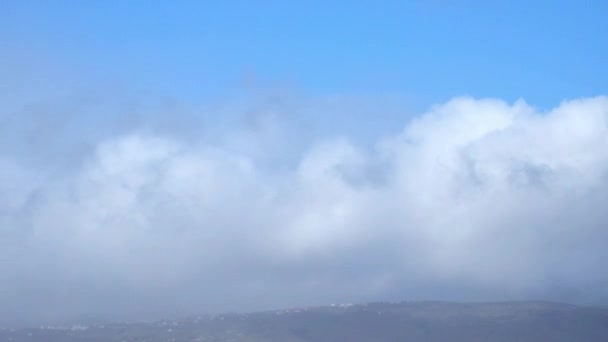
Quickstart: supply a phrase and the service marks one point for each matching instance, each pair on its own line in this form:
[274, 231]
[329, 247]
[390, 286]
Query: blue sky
[426, 51]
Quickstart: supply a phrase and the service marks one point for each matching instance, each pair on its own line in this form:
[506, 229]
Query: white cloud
[472, 195]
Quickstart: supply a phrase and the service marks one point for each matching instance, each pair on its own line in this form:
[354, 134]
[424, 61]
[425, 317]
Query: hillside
[407, 321]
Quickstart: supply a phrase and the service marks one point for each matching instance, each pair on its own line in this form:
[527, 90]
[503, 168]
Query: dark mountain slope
[408, 321]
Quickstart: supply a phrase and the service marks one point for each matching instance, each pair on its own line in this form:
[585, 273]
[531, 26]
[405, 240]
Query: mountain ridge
[376, 321]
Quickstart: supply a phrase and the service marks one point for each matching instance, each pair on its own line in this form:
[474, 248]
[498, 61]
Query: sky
[166, 158]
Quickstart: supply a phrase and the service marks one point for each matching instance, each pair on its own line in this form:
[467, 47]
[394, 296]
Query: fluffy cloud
[474, 199]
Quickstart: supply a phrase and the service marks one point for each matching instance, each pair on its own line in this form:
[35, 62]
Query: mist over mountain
[468, 202]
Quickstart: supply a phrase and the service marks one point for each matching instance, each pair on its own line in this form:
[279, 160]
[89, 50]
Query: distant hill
[406, 321]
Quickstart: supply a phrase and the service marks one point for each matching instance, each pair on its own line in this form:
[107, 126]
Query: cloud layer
[475, 199]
